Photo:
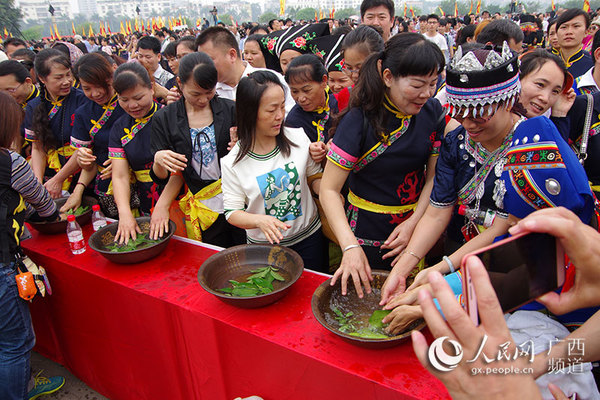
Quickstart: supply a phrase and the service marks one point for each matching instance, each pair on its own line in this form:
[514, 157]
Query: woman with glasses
[357, 46]
[189, 137]
[385, 146]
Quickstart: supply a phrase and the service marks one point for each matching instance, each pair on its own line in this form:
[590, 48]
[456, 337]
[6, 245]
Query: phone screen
[523, 269]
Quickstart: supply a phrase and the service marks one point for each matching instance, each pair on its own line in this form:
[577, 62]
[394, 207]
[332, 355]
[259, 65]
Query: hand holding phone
[521, 268]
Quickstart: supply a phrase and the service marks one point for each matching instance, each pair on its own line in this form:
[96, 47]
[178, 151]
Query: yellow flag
[586, 5]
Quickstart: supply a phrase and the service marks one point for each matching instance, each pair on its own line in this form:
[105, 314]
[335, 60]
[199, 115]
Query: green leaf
[244, 292]
[376, 318]
[368, 334]
[277, 276]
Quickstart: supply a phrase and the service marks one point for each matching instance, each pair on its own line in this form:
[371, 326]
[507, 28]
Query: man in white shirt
[431, 34]
[589, 82]
[221, 46]
[148, 50]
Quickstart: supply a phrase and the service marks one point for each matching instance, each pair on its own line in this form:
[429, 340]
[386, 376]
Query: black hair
[160, 34]
[365, 36]
[94, 68]
[219, 37]
[433, 16]
[404, 54]
[368, 4]
[595, 44]
[307, 67]
[44, 61]
[249, 92]
[257, 28]
[570, 14]
[271, 22]
[15, 68]
[467, 31]
[189, 42]
[201, 68]
[254, 38]
[551, 22]
[129, 75]
[423, 18]
[535, 59]
[149, 43]
[341, 30]
[25, 56]
[499, 31]
[13, 41]
[171, 50]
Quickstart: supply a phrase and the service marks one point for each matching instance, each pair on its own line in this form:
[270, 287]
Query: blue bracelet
[449, 262]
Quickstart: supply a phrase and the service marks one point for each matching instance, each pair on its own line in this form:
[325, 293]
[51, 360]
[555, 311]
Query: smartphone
[521, 268]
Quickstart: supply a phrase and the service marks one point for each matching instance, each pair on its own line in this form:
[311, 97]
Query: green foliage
[306, 14]
[346, 13]
[33, 33]
[266, 17]
[10, 17]
[261, 282]
[141, 241]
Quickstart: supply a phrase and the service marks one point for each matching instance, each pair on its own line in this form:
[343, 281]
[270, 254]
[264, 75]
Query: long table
[149, 331]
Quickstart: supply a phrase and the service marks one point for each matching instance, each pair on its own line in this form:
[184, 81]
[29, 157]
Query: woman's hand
[401, 317]
[394, 285]
[399, 238]
[563, 103]
[233, 138]
[354, 264]
[318, 151]
[271, 227]
[409, 298]
[128, 228]
[173, 95]
[171, 161]
[54, 187]
[85, 157]
[107, 171]
[73, 202]
[159, 222]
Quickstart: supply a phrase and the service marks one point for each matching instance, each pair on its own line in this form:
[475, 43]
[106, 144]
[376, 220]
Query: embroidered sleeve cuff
[435, 151]
[76, 143]
[116, 153]
[30, 135]
[437, 204]
[340, 158]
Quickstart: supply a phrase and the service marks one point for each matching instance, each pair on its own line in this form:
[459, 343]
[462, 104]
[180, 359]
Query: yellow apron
[199, 217]
[54, 161]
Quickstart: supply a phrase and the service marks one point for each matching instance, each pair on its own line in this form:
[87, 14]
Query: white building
[36, 10]
[127, 8]
[323, 4]
[88, 7]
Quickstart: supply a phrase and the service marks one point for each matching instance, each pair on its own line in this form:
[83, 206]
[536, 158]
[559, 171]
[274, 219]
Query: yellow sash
[54, 161]
[143, 175]
[199, 217]
[378, 208]
[595, 188]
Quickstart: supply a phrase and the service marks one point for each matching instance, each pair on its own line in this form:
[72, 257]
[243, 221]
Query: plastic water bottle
[98, 218]
[75, 235]
[479, 217]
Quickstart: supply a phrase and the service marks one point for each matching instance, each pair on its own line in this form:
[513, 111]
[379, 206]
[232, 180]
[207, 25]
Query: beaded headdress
[480, 78]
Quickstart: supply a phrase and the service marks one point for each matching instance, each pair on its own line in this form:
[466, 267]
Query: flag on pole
[412, 12]
[82, 31]
[586, 6]
[320, 13]
[142, 25]
[478, 7]
[455, 8]
[332, 14]
[316, 16]
[91, 31]
[6, 32]
[122, 29]
[73, 28]
[442, 11]
[52, 33]
[471, 8]
[281, 8]
[102, 30]
[57, 33]
[553, 6]
[108, 28]
[405, 9]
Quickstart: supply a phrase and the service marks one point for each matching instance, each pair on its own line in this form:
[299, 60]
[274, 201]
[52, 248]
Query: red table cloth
[149, 331]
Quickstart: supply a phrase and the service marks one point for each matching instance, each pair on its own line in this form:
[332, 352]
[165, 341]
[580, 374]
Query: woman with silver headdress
[483, 88]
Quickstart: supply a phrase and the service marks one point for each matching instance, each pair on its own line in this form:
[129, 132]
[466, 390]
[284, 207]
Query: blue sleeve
[80, 135]
[444, 193]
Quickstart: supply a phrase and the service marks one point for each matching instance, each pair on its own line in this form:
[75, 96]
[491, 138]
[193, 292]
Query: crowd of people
[360, 146]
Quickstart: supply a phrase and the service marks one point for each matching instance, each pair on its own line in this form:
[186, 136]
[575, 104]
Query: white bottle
[98, 218]
[75, 235]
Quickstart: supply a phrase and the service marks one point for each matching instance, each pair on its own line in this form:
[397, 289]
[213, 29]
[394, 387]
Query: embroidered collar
[140, 123]
[391, 107]
[573, 59]
[326, 108]
[108, 110]
[34, 93]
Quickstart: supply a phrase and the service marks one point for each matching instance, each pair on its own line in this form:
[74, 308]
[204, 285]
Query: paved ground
[74, 389]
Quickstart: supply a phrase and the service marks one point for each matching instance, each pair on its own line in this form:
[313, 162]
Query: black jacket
[171, 131]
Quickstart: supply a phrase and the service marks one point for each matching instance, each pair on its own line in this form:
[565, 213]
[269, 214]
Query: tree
[10, 17]
[33, 33]
[346, 13]
[306, 14]
[266, 17]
